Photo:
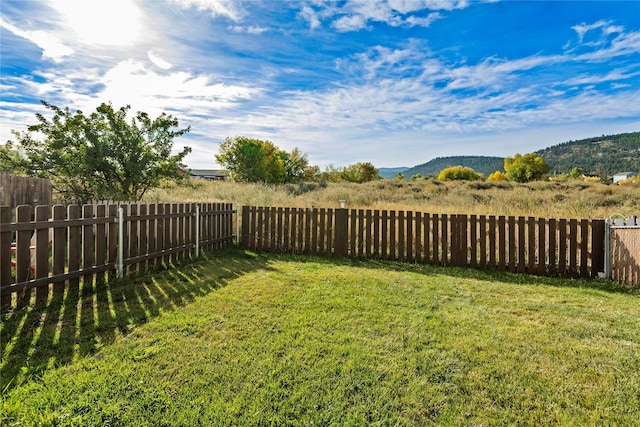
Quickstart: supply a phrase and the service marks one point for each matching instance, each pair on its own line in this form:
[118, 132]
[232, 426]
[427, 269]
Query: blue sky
[393, 82]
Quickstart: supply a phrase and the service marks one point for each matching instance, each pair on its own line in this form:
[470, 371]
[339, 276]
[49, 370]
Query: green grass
[242, 339]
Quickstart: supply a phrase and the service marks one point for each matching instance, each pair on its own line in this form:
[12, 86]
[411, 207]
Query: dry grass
[569, 199]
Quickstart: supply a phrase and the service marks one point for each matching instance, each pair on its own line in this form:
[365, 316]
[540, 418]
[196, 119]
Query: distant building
[210, 174]
[623, 175]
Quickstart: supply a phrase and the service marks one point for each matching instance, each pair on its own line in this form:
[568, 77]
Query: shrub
[459, 173]
[497, 176]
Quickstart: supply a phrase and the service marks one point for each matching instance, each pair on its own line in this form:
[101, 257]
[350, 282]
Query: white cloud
[158, 61]
[50, 44]
[350, 23]
[251, 29]
[354, 15]
[412, 21]
[226, 8]
[101, 22]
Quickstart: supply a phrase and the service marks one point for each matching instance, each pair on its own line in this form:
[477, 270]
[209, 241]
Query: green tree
[360, 172]
[11, 161]
[530, 167]
[255, 160]
[101, 156]
[575, 173]
[459, 173]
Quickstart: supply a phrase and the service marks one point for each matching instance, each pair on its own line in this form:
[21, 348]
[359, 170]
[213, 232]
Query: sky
[391, 82]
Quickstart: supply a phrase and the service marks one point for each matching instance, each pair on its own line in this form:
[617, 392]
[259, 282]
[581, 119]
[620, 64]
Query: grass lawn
[245, 339]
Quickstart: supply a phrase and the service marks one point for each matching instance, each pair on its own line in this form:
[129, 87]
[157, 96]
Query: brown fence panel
[18, 190]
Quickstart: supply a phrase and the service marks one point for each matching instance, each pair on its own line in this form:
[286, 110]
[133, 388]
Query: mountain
[481, 164]
[604, 155]
[391, 172]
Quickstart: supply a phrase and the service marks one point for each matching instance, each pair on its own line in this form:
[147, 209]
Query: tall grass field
[241, 339]
[552, 199]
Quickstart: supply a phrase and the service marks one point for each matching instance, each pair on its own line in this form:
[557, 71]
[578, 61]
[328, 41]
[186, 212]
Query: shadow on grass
[469, 273]
[86, 318]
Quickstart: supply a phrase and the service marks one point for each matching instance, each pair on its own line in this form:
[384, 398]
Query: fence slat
[531, 245]
[402, 234]
[384, 243]
[512, 243]
[42, 252]
[418, 253]
[584, 247]
[573, 247]
[5, 254]
[562, 247]
[392, 235]
[502, 243]
[492, 242]
[553, 268]
[542, 247]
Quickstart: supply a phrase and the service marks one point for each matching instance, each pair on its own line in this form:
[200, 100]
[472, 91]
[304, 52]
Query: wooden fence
[553, 247]
[60, 245]
[24, 190]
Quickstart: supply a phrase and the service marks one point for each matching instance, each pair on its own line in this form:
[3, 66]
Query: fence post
[197, 230]
[120, 242]
[342, 229]
[607, 248]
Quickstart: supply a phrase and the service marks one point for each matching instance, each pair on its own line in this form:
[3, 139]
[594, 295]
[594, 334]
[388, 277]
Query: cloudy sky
[393, 82]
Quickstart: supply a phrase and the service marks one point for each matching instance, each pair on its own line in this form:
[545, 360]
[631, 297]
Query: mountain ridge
[603, 155]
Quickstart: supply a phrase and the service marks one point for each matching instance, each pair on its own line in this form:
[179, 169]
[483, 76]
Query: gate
[623, 246]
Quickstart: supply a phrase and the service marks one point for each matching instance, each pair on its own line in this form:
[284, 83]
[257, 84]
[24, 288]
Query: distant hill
[391, 172]
[481, 164]
[604, 155]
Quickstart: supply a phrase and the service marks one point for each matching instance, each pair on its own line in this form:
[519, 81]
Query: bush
[459, 173]
[497, 176]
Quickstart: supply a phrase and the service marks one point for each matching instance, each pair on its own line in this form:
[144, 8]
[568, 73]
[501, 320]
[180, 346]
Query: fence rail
[60, 245]
[553, 247]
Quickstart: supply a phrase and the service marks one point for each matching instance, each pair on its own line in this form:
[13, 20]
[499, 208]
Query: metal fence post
[607, 248]
[120, 243]
[197, 230]
[238, 226]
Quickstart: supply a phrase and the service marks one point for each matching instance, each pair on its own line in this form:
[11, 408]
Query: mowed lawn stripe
[294, 340]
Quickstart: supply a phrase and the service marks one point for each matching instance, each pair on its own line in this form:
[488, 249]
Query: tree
[359, 172]
[530, 167]
[575, 173]
[11, 161]
[460, 173]
[101, 156]
[254, 160]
